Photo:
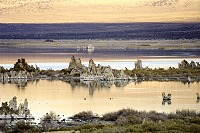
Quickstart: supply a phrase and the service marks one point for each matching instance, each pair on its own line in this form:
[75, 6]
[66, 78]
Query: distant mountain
[101, 31]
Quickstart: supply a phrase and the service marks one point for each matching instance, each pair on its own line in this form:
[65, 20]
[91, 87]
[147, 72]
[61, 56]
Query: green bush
[50, 117]
[150, 127]
[84, 115]
[25, 127]
[133, 128]
[66, 71]
[195, 120]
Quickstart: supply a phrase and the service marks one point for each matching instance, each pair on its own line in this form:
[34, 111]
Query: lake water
[67, 97]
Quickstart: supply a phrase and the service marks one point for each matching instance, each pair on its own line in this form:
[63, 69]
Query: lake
[67, 97]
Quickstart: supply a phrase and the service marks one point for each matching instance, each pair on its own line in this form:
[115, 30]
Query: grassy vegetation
[122, 121]
[160, 72]
[128, 120]
[49, 72]
[146, 74]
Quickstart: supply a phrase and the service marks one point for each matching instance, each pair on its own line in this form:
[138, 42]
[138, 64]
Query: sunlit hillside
[56, 11]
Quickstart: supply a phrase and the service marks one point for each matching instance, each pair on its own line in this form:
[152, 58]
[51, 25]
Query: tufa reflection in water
[20, 83]
[166, 102]
[96, 84]
[91, 85]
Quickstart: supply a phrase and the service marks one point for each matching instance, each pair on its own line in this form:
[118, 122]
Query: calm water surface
[67, 98]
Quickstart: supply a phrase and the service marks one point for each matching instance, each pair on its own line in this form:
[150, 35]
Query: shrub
[84, 115]
[176, 125]
[154, 116]
[195, 128]
[186, 113]
[4, 127]
[23, 125]
[50, 117]
[110, 116]
[66, 71]
[133, 128]
[195, 120]
[150, 127]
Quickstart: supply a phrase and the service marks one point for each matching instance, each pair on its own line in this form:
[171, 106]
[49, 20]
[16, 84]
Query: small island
[76, 70]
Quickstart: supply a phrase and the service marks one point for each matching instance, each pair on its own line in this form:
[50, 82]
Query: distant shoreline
[60, 51]
[162, 44]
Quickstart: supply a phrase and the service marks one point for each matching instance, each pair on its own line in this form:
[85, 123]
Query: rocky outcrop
[119, 74]
[2, 69]
[23, 108]
[20, 71]
[193, 64]
[13, 103]
[12, 107]
[186, 65]
[75, 63]
[92, 69]
[22, 65]
[138, 64]
[93, 72]
[107, 73]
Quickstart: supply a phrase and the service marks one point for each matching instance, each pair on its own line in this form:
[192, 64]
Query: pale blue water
[151, 63]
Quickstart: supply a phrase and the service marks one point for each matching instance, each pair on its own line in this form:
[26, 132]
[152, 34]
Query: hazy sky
[59, 11]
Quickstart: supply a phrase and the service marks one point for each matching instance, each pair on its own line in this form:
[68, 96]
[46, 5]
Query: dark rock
[184, 64]
[22, 65]
[193, 64]
[49, 40]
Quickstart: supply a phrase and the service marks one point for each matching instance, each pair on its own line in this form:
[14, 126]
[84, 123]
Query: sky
[101, 11]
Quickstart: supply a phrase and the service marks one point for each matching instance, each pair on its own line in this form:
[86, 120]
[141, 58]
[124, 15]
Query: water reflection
[12, 122]
[121, 83]
[197, 100]
[91, 85]
[20, 83]
[166, 102]
[96, 85]
[67, 97]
